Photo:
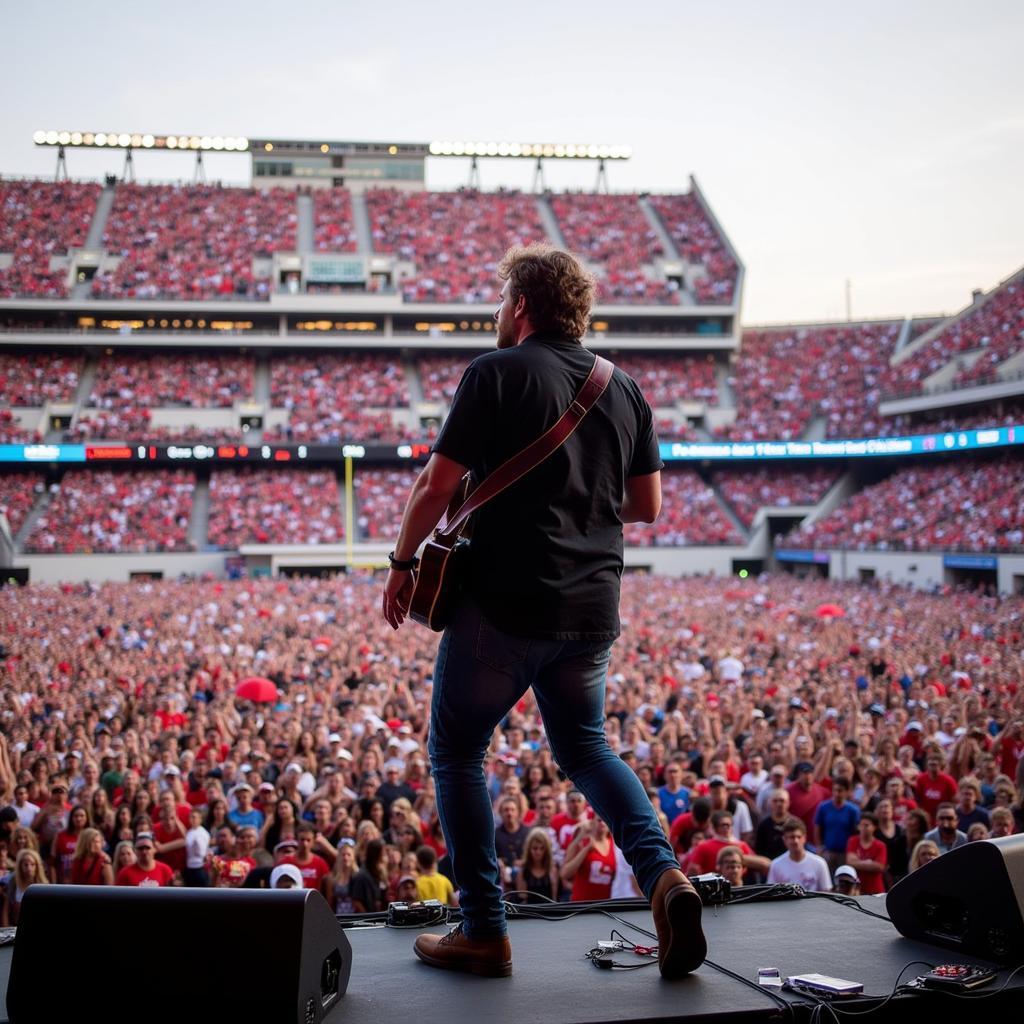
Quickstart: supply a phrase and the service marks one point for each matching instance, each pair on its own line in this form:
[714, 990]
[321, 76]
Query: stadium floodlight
[534, 150]
[140, 140]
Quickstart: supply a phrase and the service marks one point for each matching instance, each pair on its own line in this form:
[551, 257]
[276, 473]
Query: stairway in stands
[200, 521]
[85, 383]
[549, 222]
[41, 505]
[726, 395]
[361, 221]
[412, 378]
[94, 240]
[671, 252]
[260, 395]
[304, 224]
[727, 510]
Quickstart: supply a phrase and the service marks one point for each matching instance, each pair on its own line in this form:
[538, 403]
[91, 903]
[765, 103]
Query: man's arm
[574, 857]
[642, 501]
[428, 499]
[755, 862]
[860, 865]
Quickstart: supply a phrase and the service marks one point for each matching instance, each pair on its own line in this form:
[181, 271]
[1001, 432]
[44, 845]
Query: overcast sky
[878, 141]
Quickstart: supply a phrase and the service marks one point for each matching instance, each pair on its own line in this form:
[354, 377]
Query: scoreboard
[671, 451]
[169, 454]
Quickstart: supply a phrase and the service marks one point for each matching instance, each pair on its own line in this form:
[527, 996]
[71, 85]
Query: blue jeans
[480, 674]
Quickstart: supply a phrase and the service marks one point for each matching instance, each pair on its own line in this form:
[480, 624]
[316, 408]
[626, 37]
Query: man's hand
[428, 499]
[397, 594]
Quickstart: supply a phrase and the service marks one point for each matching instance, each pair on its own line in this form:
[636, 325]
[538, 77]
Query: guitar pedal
[957, 977]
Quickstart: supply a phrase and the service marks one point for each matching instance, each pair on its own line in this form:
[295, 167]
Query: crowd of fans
[194, 379]
[612, 233]
[333, 226]
[335, 397]
[784, 377]
[11, 430]
[964, 506]
[1003, 413]
[994, 325]
[753, 489]
[690, 516]
[368, 380]
[1000, 333]
[18, 493]
[922, 325]
[274, 506]
[107, 511]
[667, 379]
[759, 730]
[675, 428]
[128, 386]
[698, 242]
[34, 380]
[455, 239]
[381, 495]
[39, 220]
[440, 376]
[971, 506]
[135, 424]
[193, 241]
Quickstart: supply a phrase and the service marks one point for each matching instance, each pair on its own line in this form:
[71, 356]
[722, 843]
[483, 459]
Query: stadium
[201, 350]
[214, 401]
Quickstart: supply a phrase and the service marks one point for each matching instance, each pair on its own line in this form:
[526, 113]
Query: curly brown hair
[559, 291]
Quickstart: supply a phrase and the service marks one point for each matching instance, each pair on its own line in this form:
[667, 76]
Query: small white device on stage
[825, 984]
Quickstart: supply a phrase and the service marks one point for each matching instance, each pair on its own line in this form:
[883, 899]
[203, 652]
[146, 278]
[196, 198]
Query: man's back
[546, 554]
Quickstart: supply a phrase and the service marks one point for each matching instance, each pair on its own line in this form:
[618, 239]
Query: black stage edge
[552, 982]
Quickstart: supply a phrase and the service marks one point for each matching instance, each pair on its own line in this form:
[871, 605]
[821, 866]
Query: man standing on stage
[541, 602]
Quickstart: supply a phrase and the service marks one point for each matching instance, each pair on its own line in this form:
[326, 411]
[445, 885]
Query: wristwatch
[403, 564]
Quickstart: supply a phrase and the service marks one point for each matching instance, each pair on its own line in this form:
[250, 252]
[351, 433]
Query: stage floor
[552, 983]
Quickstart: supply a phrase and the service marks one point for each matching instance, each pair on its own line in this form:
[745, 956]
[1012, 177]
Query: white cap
[286, 871]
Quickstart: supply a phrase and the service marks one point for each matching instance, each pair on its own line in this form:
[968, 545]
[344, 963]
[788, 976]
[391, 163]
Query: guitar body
[439, 581]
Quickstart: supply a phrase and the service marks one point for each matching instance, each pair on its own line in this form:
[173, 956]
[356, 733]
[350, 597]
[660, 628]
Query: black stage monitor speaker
[970, 899]
[173, 954]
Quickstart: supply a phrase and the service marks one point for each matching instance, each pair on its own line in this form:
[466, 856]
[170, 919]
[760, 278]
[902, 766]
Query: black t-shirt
[509, 845]
[369, 891]
[898, 855]
[546, 554]
[386, 793]
[768, 840]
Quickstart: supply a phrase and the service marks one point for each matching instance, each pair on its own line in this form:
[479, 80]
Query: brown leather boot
[455, 951]
[676, 908]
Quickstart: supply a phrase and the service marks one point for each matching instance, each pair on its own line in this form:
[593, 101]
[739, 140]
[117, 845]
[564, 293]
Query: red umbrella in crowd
[258, 689]
[829, 611]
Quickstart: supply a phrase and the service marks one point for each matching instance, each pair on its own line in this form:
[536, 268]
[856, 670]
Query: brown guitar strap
[536, 452]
